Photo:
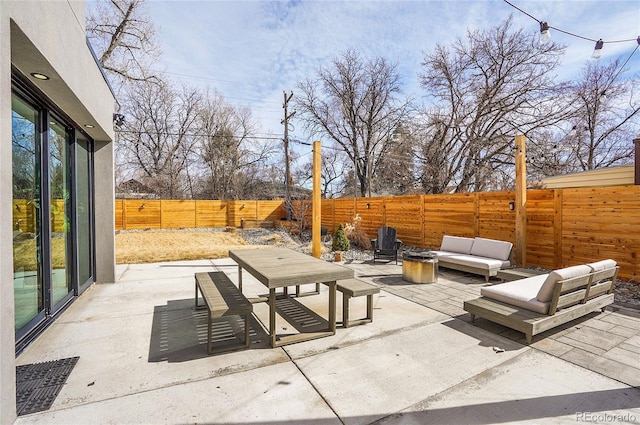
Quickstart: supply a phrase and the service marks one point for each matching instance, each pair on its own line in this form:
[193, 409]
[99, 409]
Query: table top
[280, 267]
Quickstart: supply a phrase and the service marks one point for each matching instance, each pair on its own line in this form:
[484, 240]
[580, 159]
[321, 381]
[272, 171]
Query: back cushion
[456, 244]
[546, 291]
[602, 265]
[491, 248]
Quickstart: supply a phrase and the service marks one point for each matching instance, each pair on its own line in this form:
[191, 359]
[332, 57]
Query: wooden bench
[356, 288]
[572, 298]
[222, 298]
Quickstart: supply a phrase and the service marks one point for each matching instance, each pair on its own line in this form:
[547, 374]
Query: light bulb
[545, 33]
[597, 52]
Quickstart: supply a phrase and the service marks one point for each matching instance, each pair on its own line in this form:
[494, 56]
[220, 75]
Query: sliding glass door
[27, 228]
[53, 251]
[59, 210]
[84, 212]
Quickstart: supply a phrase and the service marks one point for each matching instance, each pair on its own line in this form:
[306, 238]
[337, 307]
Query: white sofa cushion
[484, 263]
[457, 244]
[491, 248]
[440, 254]
[602, 265]
[546, 291]
[520, 293]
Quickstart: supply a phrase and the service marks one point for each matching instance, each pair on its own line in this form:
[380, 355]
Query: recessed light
[39, 76]
[89, 125]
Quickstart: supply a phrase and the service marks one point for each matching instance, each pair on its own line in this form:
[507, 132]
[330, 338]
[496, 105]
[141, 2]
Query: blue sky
[253, 50]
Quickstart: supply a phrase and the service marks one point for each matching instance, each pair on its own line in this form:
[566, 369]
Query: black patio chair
[386, 245]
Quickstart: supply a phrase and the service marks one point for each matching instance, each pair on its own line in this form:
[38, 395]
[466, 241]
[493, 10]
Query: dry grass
[151, 247]
[25, 258]
[356, 234]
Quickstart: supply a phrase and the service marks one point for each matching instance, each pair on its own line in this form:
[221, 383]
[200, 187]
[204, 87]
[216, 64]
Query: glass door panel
[60, 210]
[84, 231]
[27, 238]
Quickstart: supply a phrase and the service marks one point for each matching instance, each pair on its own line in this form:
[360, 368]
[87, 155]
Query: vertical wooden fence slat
[119, 215]
[557, 228]
[476, 215]
[422, 220]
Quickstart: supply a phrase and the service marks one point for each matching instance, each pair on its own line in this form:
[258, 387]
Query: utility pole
[287, 171]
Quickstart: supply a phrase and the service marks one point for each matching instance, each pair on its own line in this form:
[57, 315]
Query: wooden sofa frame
[572, 298]
[442, 262]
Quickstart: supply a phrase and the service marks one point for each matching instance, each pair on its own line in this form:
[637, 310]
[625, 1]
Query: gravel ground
[627, 294]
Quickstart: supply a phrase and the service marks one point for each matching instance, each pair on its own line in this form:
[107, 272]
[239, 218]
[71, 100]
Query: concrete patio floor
[142, 350]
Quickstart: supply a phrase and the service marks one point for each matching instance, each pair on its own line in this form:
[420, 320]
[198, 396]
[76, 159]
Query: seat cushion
[520, 293]
[491, 248]
[456, 244]
[484, 263]
[598, 266]
[546, 291]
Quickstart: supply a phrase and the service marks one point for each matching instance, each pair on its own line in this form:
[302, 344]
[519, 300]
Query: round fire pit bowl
[420, 267]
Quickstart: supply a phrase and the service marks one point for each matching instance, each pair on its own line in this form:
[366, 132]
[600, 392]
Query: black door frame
[28, 93]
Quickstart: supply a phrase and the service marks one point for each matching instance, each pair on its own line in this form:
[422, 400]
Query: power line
[198, 77]
[624, 64]
[167, 133]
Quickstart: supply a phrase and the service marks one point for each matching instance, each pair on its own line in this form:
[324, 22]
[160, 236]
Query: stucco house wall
[49, 37]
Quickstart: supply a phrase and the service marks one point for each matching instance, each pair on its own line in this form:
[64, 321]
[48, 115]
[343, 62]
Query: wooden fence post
[521, 201]
[317, 201]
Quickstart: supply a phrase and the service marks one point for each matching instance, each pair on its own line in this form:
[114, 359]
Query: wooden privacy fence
[24, 216]
[564, 226]
[171, 214]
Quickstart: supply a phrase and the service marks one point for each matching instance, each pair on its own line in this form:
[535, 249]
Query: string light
[597, 52]
[545, 34]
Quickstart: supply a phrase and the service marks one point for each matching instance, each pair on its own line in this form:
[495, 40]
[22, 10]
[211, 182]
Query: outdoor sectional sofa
[539, 303]
[474, 255]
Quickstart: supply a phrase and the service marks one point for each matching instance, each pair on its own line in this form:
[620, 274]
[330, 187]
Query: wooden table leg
[332, 306]
[240, 277]
[272, 316]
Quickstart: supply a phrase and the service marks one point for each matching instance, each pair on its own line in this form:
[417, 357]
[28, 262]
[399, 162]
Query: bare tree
[395, 170]
[224, 136]
[487, 88]
[355, 104]
[334, 169]
[158, 136]
[606, 117]
[432, 151]
[123, 36]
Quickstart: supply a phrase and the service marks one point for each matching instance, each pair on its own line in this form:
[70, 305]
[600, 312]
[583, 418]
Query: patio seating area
[143, 357]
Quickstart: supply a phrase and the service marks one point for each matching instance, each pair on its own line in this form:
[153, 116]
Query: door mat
[38, 384]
